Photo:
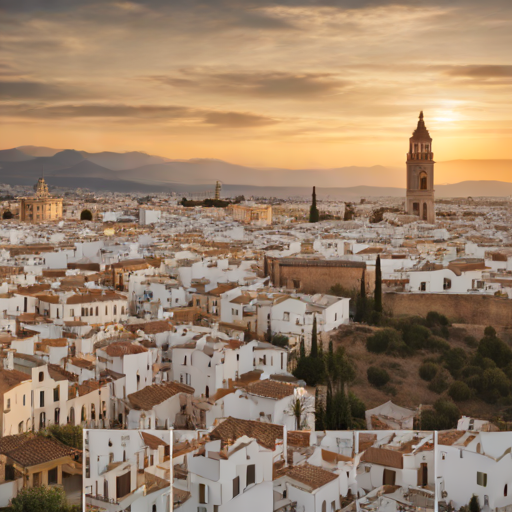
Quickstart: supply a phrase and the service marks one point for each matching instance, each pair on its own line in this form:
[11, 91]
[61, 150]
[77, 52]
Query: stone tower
[420, 175]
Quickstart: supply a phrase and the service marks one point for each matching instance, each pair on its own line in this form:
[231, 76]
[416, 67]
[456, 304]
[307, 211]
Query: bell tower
[420, 175]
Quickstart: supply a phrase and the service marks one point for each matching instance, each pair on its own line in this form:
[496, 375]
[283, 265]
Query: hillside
[406, 388]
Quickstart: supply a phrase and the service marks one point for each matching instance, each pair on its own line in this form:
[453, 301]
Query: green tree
[362, 302]
[474, 504]
[40, 499]
[280, 340]
[314, 214]
[444, 416]
[378, 287]
[314, 339]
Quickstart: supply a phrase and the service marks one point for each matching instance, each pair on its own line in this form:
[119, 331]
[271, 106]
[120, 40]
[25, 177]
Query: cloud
[160, 113]
[237, 120]
[481, 71]
[27, 89]
[258, 84]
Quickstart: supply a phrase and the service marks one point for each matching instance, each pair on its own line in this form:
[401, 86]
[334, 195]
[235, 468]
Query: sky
[286, 83]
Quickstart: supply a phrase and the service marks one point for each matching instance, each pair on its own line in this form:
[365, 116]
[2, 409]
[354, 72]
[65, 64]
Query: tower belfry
[420, 175]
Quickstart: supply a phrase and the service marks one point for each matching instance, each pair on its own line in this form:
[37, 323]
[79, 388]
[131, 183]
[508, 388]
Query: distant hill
[38, 150]
[14, 155]
[136, 171]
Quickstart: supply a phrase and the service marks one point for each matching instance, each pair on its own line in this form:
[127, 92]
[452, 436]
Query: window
[423, 286]
[505, 490]
[23, 399]
[286, 316]
[41, 399]
[91, 312]
[8, 403]
[236, 486]
[41, 376]
[122, 310]
[234, 312]
[251, 474]
[52, 476]
[115, 310]
[56, 394]
[71, 312]
[335, 317]
[447, 284]
[481, 479]
[97, 310]
[296, 283]
[106, 310]
[203, 493]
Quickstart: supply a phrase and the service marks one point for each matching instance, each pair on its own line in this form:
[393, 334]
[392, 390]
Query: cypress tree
[361, 306]
[378, 286]
[314, 340]
[302, 352]
[314, 214]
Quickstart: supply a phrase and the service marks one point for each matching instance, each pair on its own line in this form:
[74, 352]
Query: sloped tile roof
[152, 441]
[34, 449]
[383, 457]
[271, 389]
[311, 476]
[146, 398]
[266, 434]
[122, 348]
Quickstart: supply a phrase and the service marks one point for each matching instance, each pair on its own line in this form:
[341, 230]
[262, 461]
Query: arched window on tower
[423, 181]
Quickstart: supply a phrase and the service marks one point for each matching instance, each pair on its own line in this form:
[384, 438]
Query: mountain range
[140, 172]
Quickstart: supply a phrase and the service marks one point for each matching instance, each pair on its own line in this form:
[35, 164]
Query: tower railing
[420, 156]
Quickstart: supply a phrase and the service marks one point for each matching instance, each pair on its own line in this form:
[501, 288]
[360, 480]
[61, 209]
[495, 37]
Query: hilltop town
[304, 354]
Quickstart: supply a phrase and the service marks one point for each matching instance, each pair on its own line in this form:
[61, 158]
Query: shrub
[439, 384]
[435, 318]
[428, 371]
[490, 332]
[471, 341]
[40, 499]
[377, 377]
[381, 340]
[455, 360]
[494, 385]
[443, 416]
[459, 391]
[280, 340]
[493, 348]
[437, 344]
[357, 406]
[416, 336]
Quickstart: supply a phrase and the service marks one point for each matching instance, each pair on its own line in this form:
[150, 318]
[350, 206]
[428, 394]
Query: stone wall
[318, 276]
[469, 309]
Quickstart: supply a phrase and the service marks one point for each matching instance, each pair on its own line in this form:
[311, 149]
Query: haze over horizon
[287, 84]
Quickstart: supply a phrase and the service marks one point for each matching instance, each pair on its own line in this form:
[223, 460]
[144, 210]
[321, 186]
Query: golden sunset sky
[296, 84]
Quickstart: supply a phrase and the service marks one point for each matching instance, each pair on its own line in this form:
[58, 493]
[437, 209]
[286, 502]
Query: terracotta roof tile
[38, 449]
[271, 389]
[266, 434]
[148, 397]
[383, 457]
[311, 476]
[152, 441]
[151, 327]
[123, 348]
